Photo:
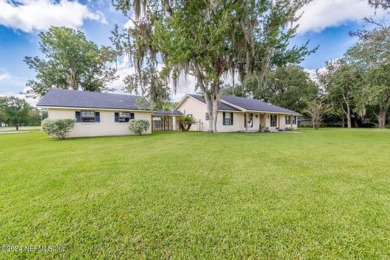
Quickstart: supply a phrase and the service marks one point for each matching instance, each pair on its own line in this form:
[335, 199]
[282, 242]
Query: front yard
[314, 194]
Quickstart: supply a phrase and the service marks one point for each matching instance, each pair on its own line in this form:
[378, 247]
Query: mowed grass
[313, 194]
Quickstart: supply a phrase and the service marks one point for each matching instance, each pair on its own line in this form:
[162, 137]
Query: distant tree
[16, 111]
[70, 62]
[372, 56]
[142, 103]
[236, 90]
[3, 101]
[289, 86]
[34, 117]
[166, 105]
[316, 109]
[341, 80]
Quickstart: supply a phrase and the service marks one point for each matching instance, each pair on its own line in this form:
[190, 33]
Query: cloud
[4, 76]
[321, 14]
[29, 15]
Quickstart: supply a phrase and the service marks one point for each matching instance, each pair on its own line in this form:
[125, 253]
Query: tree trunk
[215, 115]
[212, 108]
[212, 97]
[348, 114]
[382, 117]
[17, 127]
[383, 108]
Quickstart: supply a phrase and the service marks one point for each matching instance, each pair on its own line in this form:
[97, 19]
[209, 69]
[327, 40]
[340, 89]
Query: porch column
[246, 121]
[173, 123]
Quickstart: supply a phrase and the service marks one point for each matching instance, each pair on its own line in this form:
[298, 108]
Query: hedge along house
[96, 114]
[238, 114]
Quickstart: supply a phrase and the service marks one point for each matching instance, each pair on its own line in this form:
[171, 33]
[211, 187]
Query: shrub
[185, 122]
[137, 126]
[58, 128]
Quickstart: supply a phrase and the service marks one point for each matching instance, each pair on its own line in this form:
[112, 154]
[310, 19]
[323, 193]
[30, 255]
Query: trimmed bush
[58, 128]
[137, 126]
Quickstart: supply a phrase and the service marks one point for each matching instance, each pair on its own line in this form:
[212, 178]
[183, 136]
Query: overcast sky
[324, 22]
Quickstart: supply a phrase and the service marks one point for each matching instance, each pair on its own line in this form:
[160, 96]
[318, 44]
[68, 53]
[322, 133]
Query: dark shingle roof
[256, 105]
[248, 104]
[167, 113]
[222, 106]
[84, 99]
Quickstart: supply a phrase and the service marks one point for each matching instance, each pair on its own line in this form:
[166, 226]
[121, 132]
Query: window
[248, 122]
[123, 117]
[294, 120]
[274, 120]
[227, 118]
[288, 120]
[87, 116]
[207, 116]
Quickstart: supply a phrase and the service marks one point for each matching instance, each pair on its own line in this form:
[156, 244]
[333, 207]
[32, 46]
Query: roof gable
[85, 99]
[222, 106]
[256, 105]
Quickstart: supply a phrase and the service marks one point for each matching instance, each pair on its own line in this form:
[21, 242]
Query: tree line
[18, 112]
[247, 42]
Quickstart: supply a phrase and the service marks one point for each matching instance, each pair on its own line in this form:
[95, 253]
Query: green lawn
[313, 194]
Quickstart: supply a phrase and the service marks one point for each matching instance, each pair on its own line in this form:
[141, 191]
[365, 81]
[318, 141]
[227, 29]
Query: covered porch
[254, 121]
[165, 120]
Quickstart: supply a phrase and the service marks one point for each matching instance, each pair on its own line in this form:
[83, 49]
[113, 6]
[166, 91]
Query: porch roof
[167, 113]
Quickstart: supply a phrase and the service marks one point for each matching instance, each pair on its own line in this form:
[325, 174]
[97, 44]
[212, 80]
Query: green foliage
[290, 87]
[316, 109]
[3, 102]
[185, 122]
[71, 61]
[58, 128]
[14, 111]
[138, 126]
[34, 117]
[371, 56]
[143, 104]
[342, 82]
[209, 40]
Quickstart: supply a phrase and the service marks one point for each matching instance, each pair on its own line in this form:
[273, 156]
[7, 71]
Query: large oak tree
[211, 40]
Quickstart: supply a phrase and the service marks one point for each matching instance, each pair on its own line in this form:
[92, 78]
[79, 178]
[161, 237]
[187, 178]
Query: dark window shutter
[223, 122]
[97, 116]
[116, 117]
[131, 115]
[78, 116]
[231, 118]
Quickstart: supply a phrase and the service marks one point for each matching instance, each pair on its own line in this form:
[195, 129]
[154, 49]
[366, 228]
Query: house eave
[93, 108]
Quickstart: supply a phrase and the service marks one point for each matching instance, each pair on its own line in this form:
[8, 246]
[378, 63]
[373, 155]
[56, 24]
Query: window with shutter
[123, 117]
[227, 118]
